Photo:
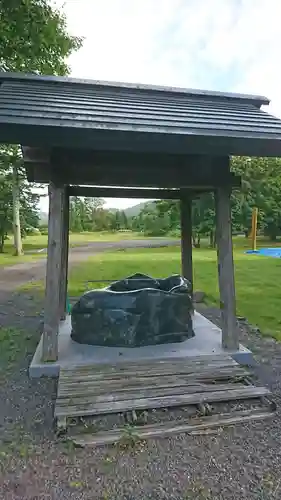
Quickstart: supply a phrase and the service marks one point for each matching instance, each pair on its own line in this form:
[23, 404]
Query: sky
[226, 45]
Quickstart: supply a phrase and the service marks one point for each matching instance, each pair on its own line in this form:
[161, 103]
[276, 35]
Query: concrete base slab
[207, 341]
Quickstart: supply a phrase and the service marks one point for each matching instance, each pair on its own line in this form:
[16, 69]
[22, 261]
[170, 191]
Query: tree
[87, 214]
[28, 200]
[6, 206]
[261, 188]
[33, 39]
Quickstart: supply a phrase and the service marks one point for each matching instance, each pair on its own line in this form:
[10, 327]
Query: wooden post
[53, 274]
[186, 237]
[254, 229]
[64, 254]
[230, 338]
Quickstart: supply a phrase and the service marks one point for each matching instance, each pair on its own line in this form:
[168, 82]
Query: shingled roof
[37, 110]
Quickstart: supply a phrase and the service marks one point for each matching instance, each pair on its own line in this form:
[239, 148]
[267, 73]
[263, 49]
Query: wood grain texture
[170, 428]
[64, 254]
[89, 407]
[186, 236]
[87, 395]
[201, 371]
[53, 274]
[230, 338]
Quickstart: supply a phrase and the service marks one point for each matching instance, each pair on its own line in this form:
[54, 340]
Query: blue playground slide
[267, 252]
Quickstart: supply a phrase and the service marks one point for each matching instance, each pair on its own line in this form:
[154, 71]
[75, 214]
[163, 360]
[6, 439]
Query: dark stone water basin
[136, 311]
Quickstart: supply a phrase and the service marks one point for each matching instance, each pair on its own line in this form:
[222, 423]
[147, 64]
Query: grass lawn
[31, 245]
[258, 287]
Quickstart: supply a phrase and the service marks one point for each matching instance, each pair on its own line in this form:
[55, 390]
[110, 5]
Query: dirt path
[12, 277]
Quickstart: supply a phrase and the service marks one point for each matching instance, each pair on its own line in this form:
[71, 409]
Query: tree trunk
[215, 239]
[211, 239]
[197, 241]
[16, 213]
[2, 242]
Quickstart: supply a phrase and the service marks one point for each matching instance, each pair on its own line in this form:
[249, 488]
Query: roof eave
[256, 100]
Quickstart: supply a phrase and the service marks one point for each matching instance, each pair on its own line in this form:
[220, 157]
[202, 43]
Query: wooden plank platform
[106, 389]
[192, 426]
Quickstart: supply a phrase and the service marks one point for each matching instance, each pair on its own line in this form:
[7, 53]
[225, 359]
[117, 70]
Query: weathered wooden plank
[92, 397]
[186, 236]
[88, 388]
[73, 387]
[148, 367]
[163, 381]
[203, 376]
[173, 370]
[170, 428]
[146, 363]
[230, 338]
[162, 402]
[127, 384]
[53, 275]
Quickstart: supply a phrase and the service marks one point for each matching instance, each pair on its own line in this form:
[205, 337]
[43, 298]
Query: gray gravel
[240, 463]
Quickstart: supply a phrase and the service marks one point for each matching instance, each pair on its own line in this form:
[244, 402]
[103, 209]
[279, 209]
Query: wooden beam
[35, 154]
[148, 177]
[90, 159]
[64, 254]
[186, 236]
[230, 338]
[116, 192]
[53, 274]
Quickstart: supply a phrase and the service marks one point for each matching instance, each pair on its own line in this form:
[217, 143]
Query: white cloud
[230, 45]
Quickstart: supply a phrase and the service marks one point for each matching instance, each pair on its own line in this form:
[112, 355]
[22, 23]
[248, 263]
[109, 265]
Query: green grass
[15, 344]
[258, 287]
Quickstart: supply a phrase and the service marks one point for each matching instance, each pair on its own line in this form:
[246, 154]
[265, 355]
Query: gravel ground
[242, 462]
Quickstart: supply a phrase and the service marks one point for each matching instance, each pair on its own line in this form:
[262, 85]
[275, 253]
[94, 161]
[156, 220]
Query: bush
[31, 231]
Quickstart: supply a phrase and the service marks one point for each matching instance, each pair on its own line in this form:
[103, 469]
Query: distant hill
[135, 210]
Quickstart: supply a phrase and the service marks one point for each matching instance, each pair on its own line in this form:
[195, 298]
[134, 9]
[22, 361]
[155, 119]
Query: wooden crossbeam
[116, 192]
[134, 177]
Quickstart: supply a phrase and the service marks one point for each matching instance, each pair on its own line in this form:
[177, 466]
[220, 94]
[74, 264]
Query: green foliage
[261, 188]
[153, 219]
[34, 38]
[89, 214]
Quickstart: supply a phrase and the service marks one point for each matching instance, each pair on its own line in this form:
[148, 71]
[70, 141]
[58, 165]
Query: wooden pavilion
[89, 138]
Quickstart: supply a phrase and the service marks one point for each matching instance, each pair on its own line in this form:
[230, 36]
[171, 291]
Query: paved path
[12, 277]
